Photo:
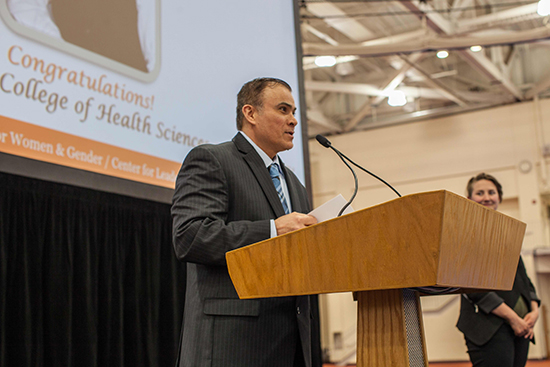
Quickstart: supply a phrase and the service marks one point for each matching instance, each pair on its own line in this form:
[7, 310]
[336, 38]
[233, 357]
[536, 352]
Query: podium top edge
[442, 193]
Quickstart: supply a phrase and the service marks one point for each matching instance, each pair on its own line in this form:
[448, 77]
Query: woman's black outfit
[489, 338]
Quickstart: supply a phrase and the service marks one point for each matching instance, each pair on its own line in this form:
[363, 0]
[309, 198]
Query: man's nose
[293, 121]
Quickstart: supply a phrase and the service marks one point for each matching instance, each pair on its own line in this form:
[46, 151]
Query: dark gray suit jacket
[476, 321]
[224, 199]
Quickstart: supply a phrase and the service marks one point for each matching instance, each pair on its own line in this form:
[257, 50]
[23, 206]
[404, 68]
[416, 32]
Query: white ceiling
[382, 45]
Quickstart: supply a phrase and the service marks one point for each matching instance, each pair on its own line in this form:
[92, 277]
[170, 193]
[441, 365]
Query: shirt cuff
[273, 230]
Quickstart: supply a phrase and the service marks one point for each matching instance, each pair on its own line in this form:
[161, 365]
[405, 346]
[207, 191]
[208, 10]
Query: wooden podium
[427, 239]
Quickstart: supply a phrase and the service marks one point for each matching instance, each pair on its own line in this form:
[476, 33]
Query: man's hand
[293, 221]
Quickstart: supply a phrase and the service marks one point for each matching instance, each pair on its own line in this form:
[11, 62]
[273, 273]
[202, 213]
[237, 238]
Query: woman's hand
[520, 327]
[532, 317]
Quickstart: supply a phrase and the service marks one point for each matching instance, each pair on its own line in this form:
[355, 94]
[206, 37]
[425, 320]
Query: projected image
[122, 32]
[81, 82]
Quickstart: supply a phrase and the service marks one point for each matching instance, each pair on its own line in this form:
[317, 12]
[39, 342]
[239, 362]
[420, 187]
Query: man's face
[275, 121]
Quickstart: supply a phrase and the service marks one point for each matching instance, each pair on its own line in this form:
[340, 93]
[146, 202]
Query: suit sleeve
[487, 302]
[533, 293]
[200, 209]
[523, 273]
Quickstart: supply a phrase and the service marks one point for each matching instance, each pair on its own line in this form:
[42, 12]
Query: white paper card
[331, 208]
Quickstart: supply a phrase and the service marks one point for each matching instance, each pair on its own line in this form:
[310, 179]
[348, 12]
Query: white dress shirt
[268, 162]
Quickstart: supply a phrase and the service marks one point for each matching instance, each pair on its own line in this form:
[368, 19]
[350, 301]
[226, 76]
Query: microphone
[323, 141]
[327, 144]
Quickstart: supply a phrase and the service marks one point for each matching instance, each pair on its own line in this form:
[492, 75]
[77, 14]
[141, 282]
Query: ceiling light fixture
[344, 68]
[476, 48]
[442, 54]
[397, 98]
[325, 61]
[543, 8]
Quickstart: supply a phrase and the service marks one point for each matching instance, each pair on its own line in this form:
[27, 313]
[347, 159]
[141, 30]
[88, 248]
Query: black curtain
[87, 278]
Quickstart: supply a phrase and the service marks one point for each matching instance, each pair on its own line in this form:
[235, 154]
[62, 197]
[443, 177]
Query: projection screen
[123, 89]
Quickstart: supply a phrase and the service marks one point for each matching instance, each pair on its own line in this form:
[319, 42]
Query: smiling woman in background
[498, 326]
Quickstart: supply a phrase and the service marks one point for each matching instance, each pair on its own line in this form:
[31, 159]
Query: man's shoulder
[220, 147]
[208, 152]
[237, 144]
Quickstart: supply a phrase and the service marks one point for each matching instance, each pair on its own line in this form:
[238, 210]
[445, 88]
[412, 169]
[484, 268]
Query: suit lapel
[292, 189]
[261, 173]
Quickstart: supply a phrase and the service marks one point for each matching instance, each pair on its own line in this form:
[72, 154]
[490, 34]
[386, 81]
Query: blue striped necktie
[275, 173]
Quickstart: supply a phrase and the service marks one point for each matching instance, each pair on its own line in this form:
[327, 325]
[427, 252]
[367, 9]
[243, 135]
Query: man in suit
[229, 196]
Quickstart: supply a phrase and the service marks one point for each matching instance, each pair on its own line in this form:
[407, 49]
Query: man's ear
[249, 113]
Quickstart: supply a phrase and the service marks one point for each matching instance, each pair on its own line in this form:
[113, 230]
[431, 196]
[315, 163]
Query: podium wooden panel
[428, 239]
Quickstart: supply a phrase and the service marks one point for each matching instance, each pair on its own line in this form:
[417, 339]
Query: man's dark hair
[484, 176]
[252, 92]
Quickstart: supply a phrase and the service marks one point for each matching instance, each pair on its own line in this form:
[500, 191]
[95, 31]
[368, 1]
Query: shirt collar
[267, 161]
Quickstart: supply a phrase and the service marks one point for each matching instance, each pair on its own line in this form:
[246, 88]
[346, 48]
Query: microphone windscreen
[323, 141]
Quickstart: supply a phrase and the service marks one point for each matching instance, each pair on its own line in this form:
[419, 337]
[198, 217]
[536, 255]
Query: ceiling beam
[480, 62]
[347, 26]
[325, 37]
[446, 92]
[458, 5]
[370, 90]
[391, 83]
[439, 25]
[315, 116]
[396, 38]
[349, 88]
[396, 78]
[359, 115]
[429, 43]
[509, 16]
[414, 92]
[442, 26]
[435, 21]
[437, 33]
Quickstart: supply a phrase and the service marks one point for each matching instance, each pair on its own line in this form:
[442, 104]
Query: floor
[530, 363]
